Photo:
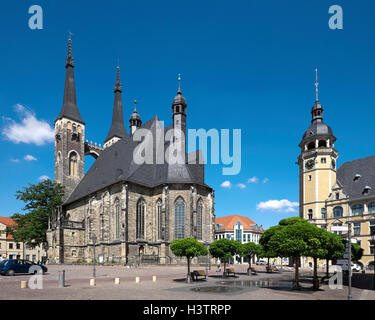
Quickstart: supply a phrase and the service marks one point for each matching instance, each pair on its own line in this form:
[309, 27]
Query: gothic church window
[160, 219]
[199, 219]
[140, 219]
[179, 219]
[73, 164]
[117, 218]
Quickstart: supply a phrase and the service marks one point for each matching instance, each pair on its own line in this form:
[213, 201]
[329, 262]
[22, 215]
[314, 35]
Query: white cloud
[226, 184]
[29, 130]
[241, 185]
[265, 180]
[283, 205]
[253, 180]
[15, 160]
[43, 177]
[29, 157]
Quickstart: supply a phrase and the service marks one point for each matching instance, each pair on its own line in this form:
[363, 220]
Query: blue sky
[245, 65]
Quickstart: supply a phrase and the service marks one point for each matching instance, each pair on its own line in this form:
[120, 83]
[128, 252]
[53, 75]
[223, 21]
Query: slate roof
[115, 164]
[69, 109]
[117, 126]
[354, 187]
[317, 127]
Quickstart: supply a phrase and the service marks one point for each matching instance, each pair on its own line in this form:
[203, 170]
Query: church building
[329, 196]
[128, 212]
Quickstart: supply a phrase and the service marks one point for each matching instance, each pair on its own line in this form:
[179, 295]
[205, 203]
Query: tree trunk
[225, 263]
[249, 269]
[296, 274]
[327, 268]
[188, 278]
[315, 279]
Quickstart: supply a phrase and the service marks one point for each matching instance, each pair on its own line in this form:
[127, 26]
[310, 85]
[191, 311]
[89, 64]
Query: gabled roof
[116, 164]
[9, 222]
[228, 222]
[354, 188]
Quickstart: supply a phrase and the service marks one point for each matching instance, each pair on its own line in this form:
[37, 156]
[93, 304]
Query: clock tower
[317, 166]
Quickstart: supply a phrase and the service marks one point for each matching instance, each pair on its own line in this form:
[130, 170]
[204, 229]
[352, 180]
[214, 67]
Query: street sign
[342, 262]
[346, 255]
[339, 228]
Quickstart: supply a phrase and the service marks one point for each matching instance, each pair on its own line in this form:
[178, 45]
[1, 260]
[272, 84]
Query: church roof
[116, 164]
[355, 176]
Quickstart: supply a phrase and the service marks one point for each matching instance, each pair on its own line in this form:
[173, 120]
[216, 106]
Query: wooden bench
[229, 271]
[198, 273]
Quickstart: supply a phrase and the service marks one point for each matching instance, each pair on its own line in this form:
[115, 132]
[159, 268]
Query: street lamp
[372, 231]
[94, 238]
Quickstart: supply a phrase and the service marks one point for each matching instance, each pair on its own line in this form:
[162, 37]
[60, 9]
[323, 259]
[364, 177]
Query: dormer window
[366, 190]
[357, 177]
[337, 196]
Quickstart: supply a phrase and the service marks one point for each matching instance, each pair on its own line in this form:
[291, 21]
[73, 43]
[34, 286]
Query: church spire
[117, 127]
[69, 109]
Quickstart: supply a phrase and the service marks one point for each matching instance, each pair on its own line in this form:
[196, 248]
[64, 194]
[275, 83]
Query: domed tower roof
[179, 99]
[317, 127]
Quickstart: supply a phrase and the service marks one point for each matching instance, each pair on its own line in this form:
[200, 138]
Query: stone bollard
[117, 280]
[23, 284]
[61, 278]
[92, 283]
[153, 278]
[137, 280]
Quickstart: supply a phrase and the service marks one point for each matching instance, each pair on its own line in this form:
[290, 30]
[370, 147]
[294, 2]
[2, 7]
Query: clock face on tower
[333, 164]
[310, 164]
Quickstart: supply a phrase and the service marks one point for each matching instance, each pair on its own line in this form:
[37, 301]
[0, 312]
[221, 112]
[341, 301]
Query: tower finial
[179, 83]
[316, 85]
[69, 58]
[135, 105]
[118, 83]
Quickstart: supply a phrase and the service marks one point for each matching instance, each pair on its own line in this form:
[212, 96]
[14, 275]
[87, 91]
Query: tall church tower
[69, 135]
[317, 165]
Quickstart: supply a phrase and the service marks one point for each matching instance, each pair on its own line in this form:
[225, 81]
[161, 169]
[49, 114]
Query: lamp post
[94, 238]
[372, 230]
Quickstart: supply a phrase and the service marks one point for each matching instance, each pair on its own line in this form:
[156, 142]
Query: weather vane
[316, 84]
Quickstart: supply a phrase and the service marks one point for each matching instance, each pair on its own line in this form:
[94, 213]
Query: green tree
[188, 248]
[249, 250]
[335, 248]
[225, 249]
[357, 252]
[289, 239]
[41, 200]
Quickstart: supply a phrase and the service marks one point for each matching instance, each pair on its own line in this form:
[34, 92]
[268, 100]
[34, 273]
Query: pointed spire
[317, 109]
[179, 84]
[316, 85]
[117, 126]
[69, 109]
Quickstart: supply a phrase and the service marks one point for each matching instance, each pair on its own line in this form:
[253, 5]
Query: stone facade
[116, 237]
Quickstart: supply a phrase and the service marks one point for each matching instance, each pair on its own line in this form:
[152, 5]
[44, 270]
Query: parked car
[261, 262]
[12, 266]
[355, 268]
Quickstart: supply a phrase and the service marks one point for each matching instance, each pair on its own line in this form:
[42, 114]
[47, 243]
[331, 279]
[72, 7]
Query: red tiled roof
[228, 222]
[8, 222]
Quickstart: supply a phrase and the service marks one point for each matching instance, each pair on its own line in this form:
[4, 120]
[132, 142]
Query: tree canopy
[188, 248]
[40, 201]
